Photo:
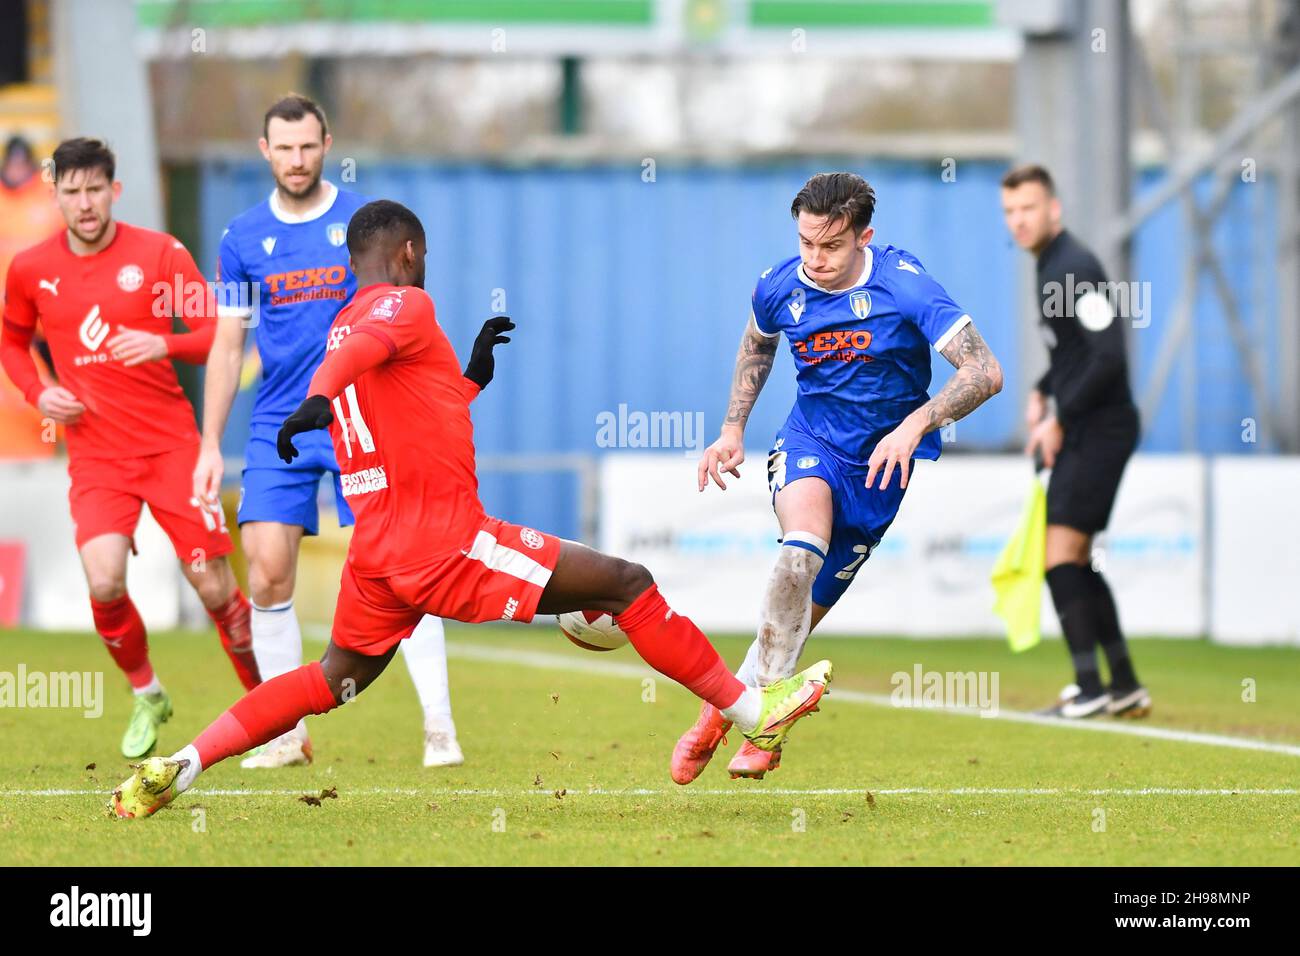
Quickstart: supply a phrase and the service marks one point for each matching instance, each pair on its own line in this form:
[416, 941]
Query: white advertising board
[34, 510]
[1256, 551]
[711, 551]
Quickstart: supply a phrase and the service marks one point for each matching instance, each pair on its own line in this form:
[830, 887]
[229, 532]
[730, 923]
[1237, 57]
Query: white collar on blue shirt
[329, 194]
[862, 279]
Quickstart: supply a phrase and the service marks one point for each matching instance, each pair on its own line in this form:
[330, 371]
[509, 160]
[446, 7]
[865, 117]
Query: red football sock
[232, 621]
[265, 712]
[123, 633]
[676, 648]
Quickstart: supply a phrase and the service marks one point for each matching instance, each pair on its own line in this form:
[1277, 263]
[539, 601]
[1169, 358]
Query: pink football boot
[695, 748]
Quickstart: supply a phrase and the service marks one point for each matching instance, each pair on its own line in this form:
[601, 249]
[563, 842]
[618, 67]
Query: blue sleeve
[762, 314]
[922, 301]
[234, 294]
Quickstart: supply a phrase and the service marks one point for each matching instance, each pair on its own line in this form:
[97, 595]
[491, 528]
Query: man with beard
[105, 293]
[283, 271]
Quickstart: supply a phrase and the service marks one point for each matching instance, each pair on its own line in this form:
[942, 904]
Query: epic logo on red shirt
[93, 330]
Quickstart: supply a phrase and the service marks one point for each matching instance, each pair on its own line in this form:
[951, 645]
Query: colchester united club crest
[336, 233]
[860, 302]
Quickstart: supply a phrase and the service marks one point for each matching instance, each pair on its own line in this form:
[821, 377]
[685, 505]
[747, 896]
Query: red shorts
[107, 493]
[499, 577]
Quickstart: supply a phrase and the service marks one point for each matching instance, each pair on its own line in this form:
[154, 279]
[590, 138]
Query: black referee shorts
[1089, 466]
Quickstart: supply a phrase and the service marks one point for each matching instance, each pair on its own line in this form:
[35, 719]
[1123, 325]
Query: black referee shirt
[1084, 335]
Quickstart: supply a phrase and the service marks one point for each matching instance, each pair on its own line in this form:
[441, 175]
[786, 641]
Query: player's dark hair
[84, 153]
[1029, 173]
[838, 196]
[292, 107]
[382, 220]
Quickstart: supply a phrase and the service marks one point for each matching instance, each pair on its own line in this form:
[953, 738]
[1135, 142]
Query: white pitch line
[559, 662]
[738, 792]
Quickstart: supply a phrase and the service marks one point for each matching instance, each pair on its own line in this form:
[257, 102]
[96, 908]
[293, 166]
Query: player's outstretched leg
[265, 712]
[784, 625]
[425, 652]
[120, 627]
[804, 508]
[586, 580]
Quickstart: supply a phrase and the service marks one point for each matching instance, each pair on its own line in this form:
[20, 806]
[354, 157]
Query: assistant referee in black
[1086, 442]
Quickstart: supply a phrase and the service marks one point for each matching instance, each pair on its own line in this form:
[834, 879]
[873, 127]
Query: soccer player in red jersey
[398, 406]
[105, 294]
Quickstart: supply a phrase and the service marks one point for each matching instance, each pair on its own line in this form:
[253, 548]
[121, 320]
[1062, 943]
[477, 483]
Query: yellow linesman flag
[1018, 575]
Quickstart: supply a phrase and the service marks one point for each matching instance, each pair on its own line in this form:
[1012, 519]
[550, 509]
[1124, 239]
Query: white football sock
[153, 687]
[748, 671]
[744, 712]
[426, 658]
[185, 779]
[277, 643]
[787, 609]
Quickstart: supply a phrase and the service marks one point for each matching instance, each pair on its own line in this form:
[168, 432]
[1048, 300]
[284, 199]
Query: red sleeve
[197, 308]
[403, 320]
[16, 357]
[344, 365]
[469, 389]
[16, 338]
[19, 308]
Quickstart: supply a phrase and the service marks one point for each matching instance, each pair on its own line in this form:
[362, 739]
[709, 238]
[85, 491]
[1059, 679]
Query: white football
[591, 630]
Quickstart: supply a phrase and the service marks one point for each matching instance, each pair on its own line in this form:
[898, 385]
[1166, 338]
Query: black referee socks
[1089, 617]
[1110, 637]
[1072, 593]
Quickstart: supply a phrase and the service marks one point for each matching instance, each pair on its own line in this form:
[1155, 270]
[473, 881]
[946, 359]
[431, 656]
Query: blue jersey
[290, 274]
[862, 354]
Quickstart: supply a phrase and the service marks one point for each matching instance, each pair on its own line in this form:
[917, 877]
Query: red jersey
[402, 434]
[138, 281]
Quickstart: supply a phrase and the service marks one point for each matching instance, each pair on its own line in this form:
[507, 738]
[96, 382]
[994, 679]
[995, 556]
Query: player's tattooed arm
[753, 363]
[977, 379]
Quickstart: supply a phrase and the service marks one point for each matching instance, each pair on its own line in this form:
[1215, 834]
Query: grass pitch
[567, 763]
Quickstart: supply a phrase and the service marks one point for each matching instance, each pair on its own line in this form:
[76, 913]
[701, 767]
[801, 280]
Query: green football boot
[150, 712]
[786, 701]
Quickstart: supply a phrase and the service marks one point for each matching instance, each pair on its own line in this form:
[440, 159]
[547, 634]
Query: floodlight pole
[1073, 116]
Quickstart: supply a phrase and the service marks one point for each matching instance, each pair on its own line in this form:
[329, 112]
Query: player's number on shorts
[776, 471]
[214, 517]
[358, 423]
[861, 550]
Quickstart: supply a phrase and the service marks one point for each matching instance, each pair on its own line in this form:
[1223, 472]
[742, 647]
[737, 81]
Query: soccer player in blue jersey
[285, 266]
[860, 320]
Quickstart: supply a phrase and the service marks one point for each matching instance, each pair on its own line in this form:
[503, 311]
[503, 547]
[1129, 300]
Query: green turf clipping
[570, 766]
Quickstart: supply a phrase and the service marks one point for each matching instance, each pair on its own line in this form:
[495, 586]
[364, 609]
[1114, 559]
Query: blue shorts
[274, 491]
[861, 514]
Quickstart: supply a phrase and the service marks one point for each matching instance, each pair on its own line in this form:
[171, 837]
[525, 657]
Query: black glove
[481, 363]
[312, 414]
